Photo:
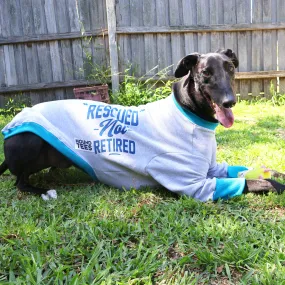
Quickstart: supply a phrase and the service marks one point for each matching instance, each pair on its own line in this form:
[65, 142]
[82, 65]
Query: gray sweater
[155, 144]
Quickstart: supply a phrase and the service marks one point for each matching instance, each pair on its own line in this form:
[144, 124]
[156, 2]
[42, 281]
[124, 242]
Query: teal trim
[234, 170]
[194, 118]
[228, 188]
[54, 141]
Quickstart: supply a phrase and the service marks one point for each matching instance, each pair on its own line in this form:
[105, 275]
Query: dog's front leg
[263, 186]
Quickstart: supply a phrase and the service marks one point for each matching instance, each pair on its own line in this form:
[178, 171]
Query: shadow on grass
[242, 137]
[58, 176]
[271, 122]
[77, 178]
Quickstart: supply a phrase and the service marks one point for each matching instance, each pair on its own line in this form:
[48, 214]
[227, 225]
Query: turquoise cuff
[228, 188]
[234, 170]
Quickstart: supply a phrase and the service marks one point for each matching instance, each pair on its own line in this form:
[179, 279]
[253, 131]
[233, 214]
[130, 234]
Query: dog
[170, 142]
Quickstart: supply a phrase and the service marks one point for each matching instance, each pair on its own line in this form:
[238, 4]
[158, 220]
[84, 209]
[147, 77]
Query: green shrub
[277, 99]
[139, 91]
[15, 105]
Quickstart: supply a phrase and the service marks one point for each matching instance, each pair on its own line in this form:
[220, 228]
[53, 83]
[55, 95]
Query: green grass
[94, 234]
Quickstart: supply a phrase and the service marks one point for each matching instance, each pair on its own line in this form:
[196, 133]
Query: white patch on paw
[52, 194]
[45, 197]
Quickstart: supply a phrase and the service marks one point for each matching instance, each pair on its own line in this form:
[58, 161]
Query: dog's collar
[194, 118]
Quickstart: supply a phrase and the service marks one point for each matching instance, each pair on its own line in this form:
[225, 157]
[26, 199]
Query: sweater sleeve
[183, 174]
[218, 170]
[187, 175]
[223, 170]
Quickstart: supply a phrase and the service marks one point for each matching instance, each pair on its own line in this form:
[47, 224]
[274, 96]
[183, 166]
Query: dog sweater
[155, 144]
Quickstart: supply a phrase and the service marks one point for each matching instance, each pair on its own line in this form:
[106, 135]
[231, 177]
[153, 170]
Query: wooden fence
[46, 46]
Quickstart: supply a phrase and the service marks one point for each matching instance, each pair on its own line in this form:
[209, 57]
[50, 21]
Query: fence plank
[10, 65]
[67, 65]
[77, 53]
[4, 19]
[30, 49]
[32, 63]
[72, 15]
[97, 14]
[137, 41]
[113, 48]
[69, 93]
[230, 18]
[44, 62]
[124, 44]
[244, 45]
[149, 19]
[257, 48]
[99, 53]
[189, 9]
[216, 12]
[177, 41]
[39, 17]
[62, 16]
[163, 41]
[26, 15]
[21, 66]
[84, 9]
[217, 17]
[3, 82]
[281, 43]
[57, 73]
[16, 29]
[269, 46]
[203, 18]
[15, 22]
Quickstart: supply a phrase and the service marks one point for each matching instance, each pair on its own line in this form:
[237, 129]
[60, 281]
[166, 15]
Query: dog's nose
[229, 103]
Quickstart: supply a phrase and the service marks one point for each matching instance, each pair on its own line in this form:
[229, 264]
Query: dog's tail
[3, 167]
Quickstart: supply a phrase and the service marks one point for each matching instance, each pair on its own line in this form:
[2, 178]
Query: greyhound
[170, 142]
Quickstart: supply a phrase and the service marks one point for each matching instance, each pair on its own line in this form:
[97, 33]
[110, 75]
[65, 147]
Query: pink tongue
[225, 116]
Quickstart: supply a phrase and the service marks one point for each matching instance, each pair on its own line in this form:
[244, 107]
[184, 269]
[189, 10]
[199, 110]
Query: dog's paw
[52, 194]
[45, 197]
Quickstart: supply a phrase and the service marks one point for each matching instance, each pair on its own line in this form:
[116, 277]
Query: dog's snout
[229, 103]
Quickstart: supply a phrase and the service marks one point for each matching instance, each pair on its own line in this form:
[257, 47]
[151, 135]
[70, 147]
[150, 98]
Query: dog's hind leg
[26, 154]
[3, 167]
[23, 185]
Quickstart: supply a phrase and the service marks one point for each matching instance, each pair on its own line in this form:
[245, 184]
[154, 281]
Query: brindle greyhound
[206, 89]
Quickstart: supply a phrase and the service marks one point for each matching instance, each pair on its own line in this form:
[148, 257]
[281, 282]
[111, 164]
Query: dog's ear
[230, 54]
[185, 64]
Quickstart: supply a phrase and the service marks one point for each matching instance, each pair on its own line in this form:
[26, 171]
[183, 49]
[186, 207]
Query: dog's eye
[206, 73]
[231, 69]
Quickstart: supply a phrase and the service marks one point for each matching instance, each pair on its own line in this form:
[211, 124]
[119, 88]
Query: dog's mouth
[224, 115]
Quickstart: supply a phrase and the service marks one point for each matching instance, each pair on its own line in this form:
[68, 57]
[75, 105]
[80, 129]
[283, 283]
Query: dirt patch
[281, 133]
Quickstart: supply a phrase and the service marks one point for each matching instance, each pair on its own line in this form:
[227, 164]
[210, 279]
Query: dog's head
[213, 75]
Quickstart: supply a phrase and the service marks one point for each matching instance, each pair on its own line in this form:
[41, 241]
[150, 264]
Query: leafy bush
[139, 91]
[277, 99]
[15, 105]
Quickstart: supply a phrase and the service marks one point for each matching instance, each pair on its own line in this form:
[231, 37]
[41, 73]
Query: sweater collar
[194, 118]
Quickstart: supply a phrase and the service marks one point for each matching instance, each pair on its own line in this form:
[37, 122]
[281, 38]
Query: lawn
[94, 234]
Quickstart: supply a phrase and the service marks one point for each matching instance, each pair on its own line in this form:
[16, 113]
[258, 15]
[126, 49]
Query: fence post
[111, 18]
